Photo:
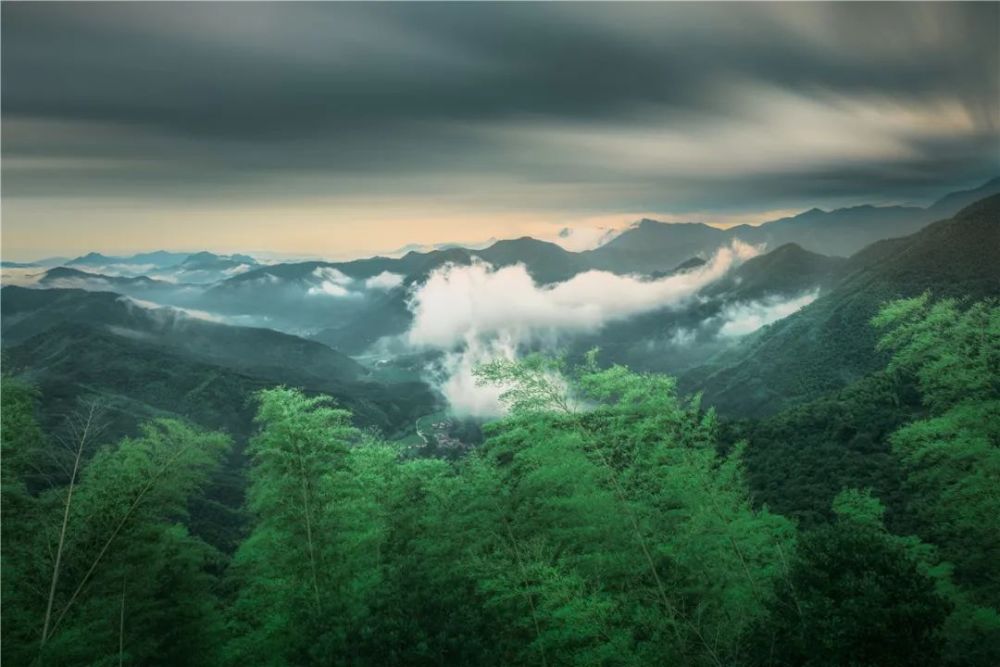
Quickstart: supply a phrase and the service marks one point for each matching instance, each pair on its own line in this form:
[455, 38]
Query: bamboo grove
[605, 520]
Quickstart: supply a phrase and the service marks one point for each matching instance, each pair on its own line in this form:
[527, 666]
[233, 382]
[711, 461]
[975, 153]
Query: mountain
[383, 315]
[388, 315]
[333, 299]
[136, 380]
[651, 246]
[677, 338]
[648, 247]
[786, 270]
[159, 258]
[333, 302]
[74, 343]
[546, 262]
[199, 267]
[830, 343]
[64, 276]
[839, 232]
[28, 312]
[143, 288]
[156, 259]
[207, 261]
[955, 201]
[94, 259]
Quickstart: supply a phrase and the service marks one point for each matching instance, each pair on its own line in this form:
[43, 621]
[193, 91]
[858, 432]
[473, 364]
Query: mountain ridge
[829, 343]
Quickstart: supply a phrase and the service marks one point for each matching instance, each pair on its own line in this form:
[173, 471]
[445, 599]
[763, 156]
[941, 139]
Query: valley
[723, 323]
[500, 334]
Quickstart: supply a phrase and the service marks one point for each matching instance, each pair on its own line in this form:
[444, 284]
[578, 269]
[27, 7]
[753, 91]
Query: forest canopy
[605, 520]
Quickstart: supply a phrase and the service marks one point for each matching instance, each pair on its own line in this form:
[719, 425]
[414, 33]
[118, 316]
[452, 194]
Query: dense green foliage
[605, 520]
[952, 457]
[854, 596]
[102, 569]
[798, 460]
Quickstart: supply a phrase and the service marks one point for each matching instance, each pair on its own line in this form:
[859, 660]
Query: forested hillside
[500, 334]
[606, 520]
[828, 344]
[817, 488]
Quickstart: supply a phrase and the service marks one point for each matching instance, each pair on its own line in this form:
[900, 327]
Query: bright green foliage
[633, 541]
[355, 555]
[953, 456]
[606, 535]
[21, 442]
[427, 610]
[293, 604]
[598, 524]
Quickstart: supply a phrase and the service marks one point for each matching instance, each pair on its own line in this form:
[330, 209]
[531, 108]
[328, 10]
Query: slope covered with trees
[829, 344]
[605, 520]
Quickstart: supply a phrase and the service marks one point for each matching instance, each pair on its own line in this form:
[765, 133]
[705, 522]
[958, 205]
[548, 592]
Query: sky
[339, 130]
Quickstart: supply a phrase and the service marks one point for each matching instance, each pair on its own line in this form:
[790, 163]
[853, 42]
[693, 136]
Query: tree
[290, 606]
[952, 457]
[615, 485]
[122, 525]
[855, 595]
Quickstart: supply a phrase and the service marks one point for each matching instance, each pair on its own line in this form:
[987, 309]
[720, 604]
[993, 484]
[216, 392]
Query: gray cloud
[538, 103]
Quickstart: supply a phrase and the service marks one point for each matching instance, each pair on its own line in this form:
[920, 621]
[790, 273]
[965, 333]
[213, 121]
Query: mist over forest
[500, 334]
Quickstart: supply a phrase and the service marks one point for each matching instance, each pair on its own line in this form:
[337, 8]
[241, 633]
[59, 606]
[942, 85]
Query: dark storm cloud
[172, 99]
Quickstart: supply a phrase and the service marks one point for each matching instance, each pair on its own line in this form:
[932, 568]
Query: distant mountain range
[652, 246]
[335, 302]
[348, 306]
[197, 268]
[647, 247]
[830, 343]
[158, 258]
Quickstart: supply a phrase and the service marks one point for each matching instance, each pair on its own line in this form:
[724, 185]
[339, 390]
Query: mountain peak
[523, 243]
[65, 272]
[790, 248]
[91, 258]
[200, 256]
[951, 204]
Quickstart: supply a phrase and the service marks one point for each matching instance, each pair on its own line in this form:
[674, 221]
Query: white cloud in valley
[384, 281]
[740, 319]
[330, 282]
[475, 313]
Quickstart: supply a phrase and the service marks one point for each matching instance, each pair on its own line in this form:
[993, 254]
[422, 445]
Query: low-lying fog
[458, 315]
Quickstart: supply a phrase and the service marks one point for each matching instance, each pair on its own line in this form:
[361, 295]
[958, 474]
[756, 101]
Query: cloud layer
[330, 282]
[331, 114]
[742, 318]
[475, 313]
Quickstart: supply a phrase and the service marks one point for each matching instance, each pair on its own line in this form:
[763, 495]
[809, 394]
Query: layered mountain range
[784, 325]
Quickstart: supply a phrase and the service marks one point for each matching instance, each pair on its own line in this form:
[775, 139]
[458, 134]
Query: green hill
[139, 379]
[787, 270]
[27, 312]
[73, 343]
[829, 343]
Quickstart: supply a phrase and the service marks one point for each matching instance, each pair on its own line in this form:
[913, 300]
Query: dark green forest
[499, 334]
[608, 519]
